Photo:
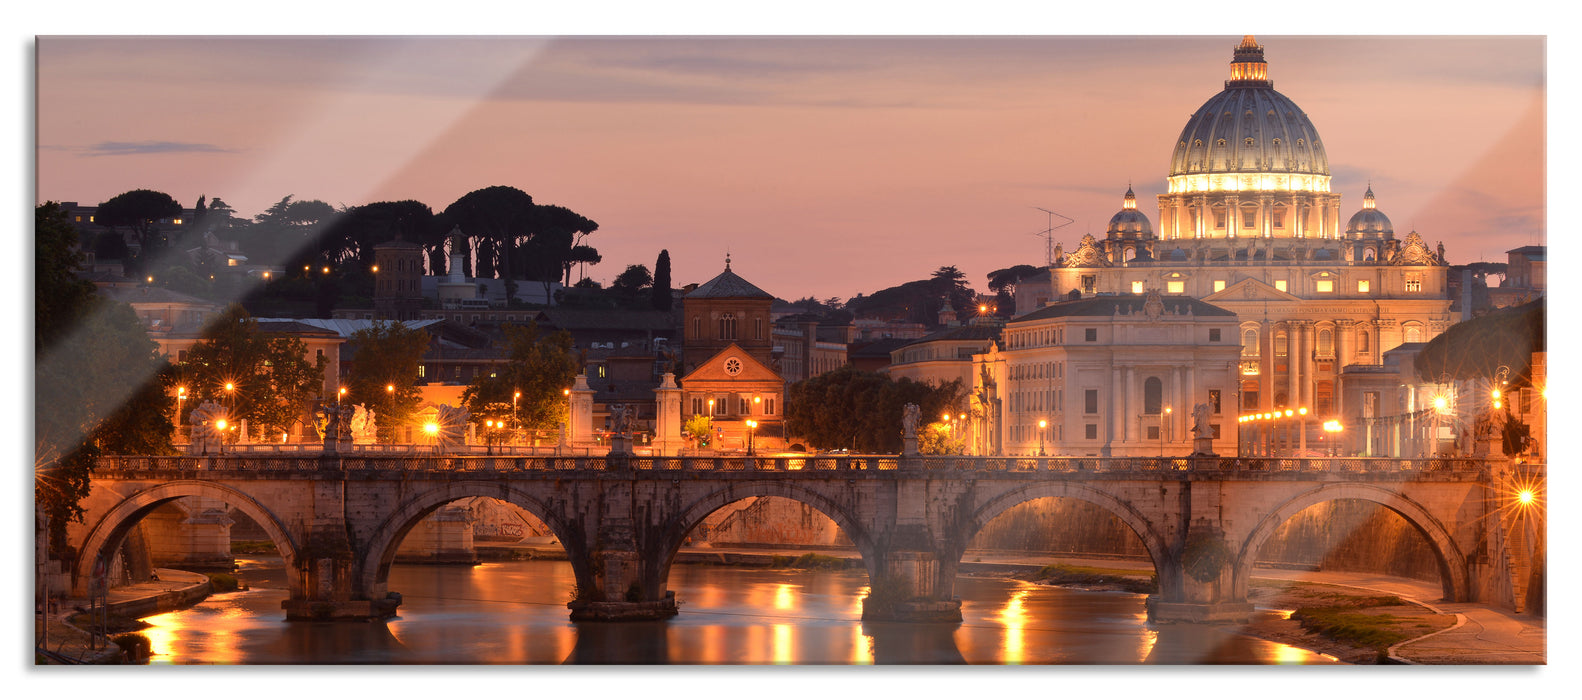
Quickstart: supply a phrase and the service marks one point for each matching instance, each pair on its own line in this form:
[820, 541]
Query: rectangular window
[1088, 282]
[1219, 285]
[1137, 286]
[1090, 334]
[1153, 432]
[421, 371]
[1362, 286]
[1324, 286]
[1214, 427]
[1213, 335]
[1414, 282]
[1090, 401]
[1213, 400]
[1091, 431]
[1280, 285]
[1175, 287]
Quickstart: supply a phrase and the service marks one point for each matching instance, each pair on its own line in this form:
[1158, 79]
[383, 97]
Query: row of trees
[859, 410]
[507, 234]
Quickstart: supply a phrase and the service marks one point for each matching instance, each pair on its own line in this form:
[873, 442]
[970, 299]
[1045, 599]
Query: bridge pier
[619, 590]
[330, 590]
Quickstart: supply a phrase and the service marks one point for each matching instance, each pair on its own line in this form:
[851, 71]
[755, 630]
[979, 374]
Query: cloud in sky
[142, 148]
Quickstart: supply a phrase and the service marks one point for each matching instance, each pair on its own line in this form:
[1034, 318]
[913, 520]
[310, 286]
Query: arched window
[1362, 341]
[1249, 342]
[1153, 396]
[1326, 343]
[697, 326]
[727, 326]
[1280, 344]
[1412, 333]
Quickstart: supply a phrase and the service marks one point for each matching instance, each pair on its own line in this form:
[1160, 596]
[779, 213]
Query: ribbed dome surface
[1369, 221]
[1249, 128]
[1129, 222]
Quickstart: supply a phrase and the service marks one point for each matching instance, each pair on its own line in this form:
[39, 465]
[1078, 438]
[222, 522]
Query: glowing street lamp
[515, 419]
[1042, 424]
[340, 395]
[752, 425]
[181, 396]
[1333, 428]
[220, 424]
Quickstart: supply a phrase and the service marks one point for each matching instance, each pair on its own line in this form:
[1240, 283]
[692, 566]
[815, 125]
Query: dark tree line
[859, 410]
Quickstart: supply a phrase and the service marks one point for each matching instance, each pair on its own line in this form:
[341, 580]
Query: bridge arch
[674, 534]
[1452, 561]
[113, 527]
[386, 538]
[1158, 548]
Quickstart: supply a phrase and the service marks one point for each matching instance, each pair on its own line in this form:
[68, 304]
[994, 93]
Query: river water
[515, 613]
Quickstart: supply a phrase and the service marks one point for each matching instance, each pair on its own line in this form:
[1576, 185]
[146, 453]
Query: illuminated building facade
[1249, 225]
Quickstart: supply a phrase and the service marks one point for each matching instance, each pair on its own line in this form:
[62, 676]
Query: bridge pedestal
[329, 589]
[620, 593]
[907, 591]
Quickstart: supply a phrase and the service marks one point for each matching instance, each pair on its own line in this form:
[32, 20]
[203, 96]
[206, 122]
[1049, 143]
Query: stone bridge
[338, 519]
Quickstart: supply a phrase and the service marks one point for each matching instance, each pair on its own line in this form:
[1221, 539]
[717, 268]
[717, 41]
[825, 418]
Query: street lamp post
[1164, 425]
[1042, 424]
[516, 420]
[752, 425]
[1332, 430]
[220, 425]
[181, 397]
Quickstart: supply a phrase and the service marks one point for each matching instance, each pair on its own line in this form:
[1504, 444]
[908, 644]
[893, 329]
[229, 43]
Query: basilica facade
[1248, 228]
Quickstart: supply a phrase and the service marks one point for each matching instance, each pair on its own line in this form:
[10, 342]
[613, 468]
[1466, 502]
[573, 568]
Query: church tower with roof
[723, 311]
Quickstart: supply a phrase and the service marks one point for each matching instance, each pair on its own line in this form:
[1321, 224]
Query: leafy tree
[497, 219]
[539, 366]
[384, 365]
[587, 283]
[940, 438]
[111, 245]
[288, 233]
[663, 300]
[951, 284]
[860, 410]
[273, 381]
[632, 281]
[140, 211]
[97, 382]
[699, 427]
[350, 239]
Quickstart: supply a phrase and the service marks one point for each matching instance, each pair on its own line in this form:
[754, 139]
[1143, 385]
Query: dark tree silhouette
[663, 300]
[140, 211]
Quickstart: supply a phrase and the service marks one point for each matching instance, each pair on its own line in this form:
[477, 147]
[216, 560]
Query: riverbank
[70, 640]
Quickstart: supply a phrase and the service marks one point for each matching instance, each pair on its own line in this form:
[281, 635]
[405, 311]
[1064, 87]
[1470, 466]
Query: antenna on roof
[1049, 233]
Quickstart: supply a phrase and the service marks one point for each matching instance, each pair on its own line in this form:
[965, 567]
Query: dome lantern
[1248, 69]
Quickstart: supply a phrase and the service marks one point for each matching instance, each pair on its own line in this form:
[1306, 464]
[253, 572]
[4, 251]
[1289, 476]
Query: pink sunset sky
[824, 166]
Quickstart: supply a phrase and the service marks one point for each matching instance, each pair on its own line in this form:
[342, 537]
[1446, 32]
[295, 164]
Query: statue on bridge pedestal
[206, 435]
[1202, 432]
[333, 421]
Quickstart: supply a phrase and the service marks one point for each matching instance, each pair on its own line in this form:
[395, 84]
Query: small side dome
[1369, 222]
[1129, 222]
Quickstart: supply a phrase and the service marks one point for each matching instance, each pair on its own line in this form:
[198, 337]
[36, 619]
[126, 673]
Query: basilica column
[1293, 373]
[1110, 412]
[1266, 369]
[1305, 361]
[1128, 410]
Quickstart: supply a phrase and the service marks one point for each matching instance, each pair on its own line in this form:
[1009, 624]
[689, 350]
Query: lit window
[1362, 286]
[1175, 287]
[230, 262]
[1324, 286]
[420, 372]
[1280, 285]
[1137, 287]
[176, 222]
[1219, 285]
[1414, 282]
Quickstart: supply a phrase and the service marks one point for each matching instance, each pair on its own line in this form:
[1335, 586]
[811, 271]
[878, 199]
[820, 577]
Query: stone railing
[939, 465]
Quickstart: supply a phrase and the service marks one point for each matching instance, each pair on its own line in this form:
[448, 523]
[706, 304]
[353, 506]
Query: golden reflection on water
[783, 654]
[783, 599]
[1150, 637]
[1014, 617]
[161, 637]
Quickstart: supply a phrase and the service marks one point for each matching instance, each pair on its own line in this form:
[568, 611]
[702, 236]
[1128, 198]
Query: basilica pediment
[1250, 290]
[732, 364]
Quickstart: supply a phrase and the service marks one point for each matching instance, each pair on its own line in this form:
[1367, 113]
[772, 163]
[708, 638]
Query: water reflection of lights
[782, 645]
[161, 637]
[1014, 617]
[783, 598]
[1150, 637]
